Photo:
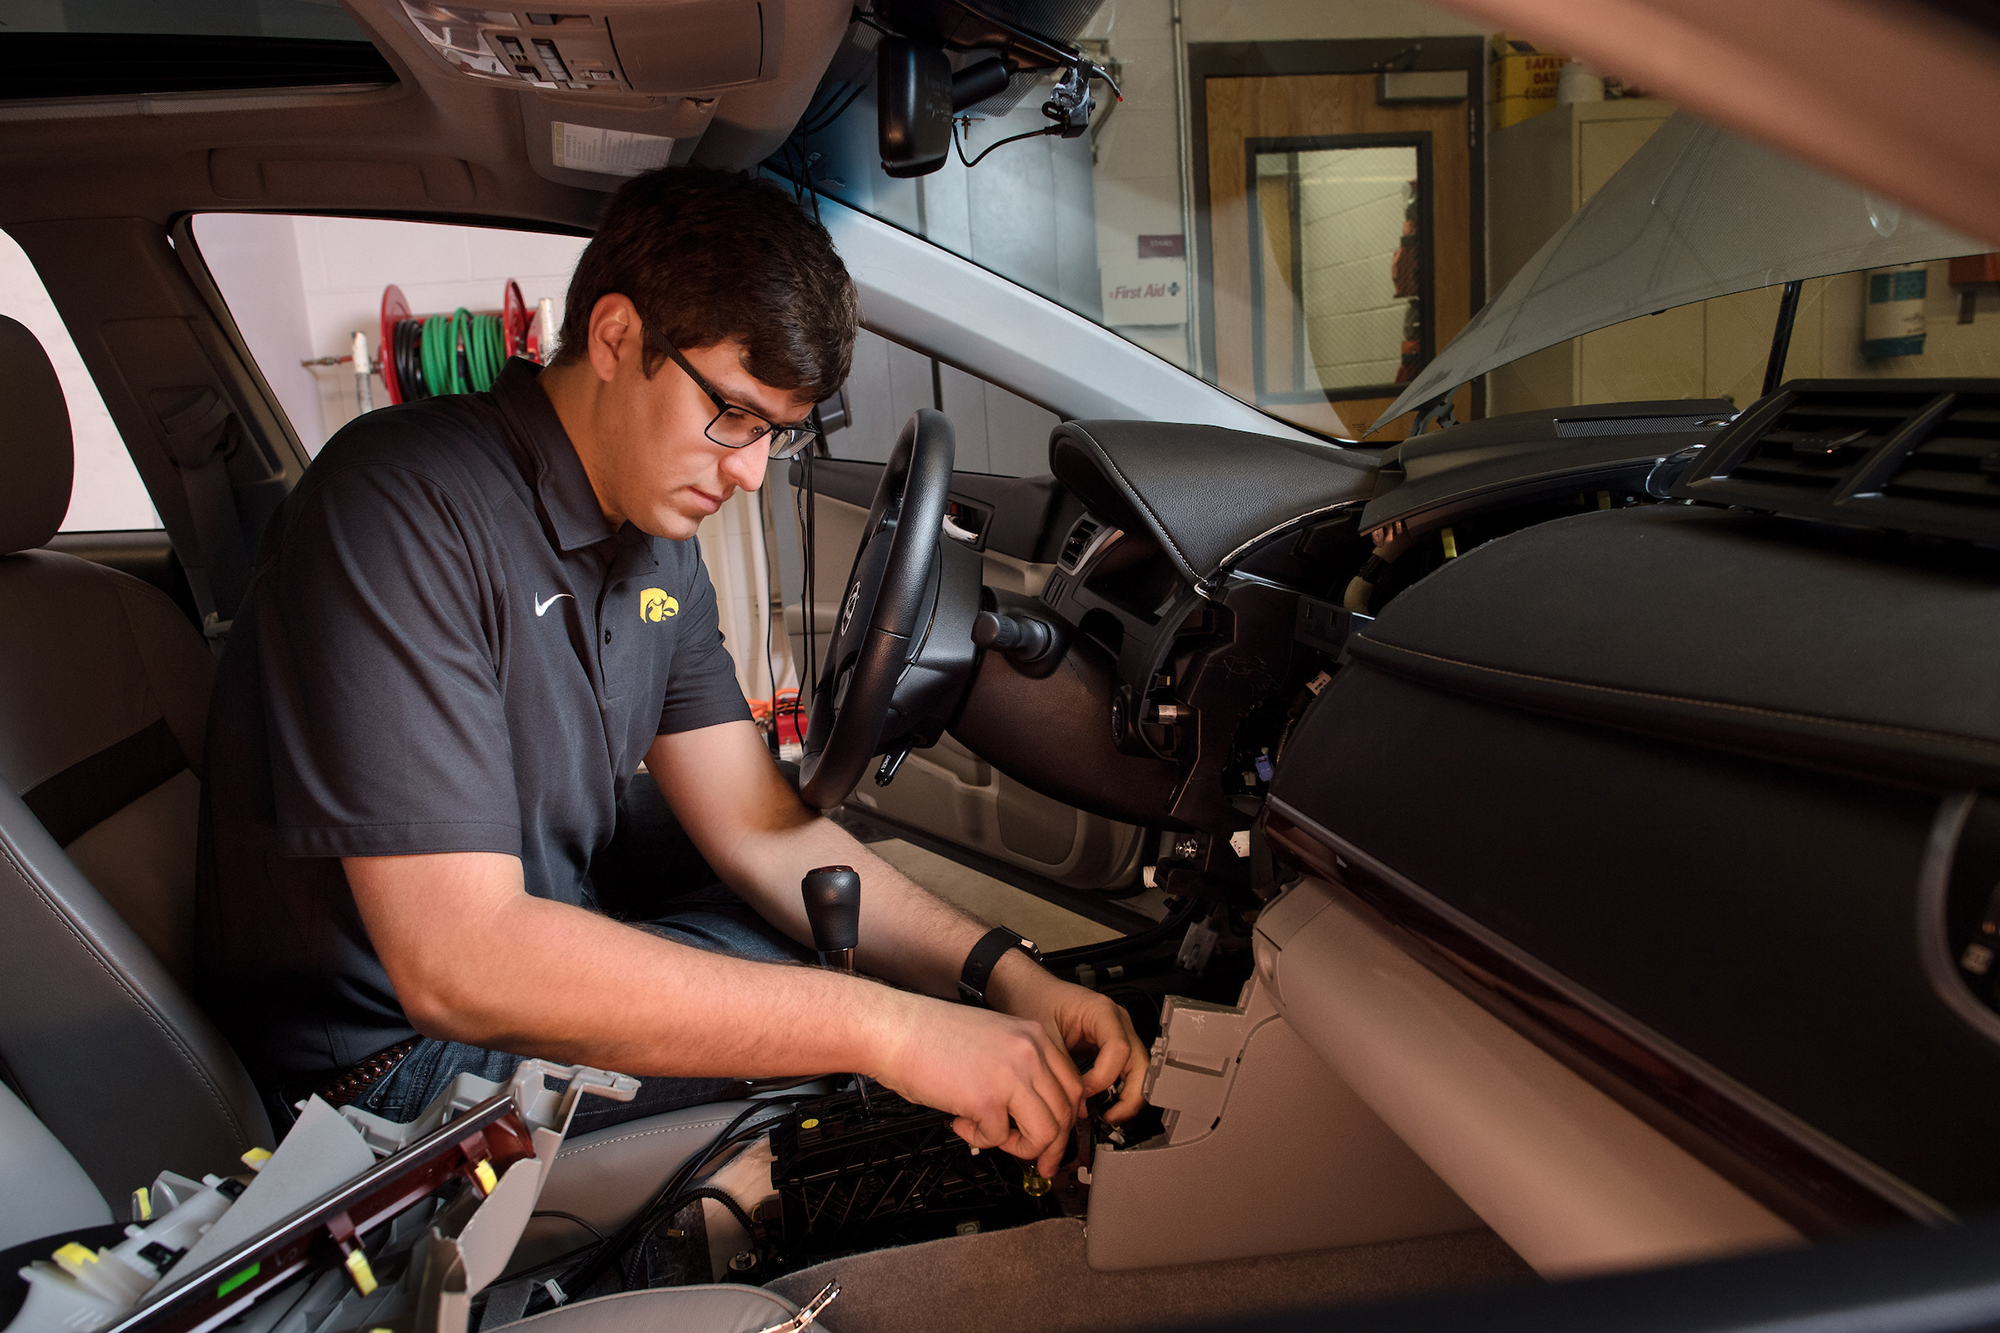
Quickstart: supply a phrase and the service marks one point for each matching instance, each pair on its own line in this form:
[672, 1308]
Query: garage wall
[300, 287]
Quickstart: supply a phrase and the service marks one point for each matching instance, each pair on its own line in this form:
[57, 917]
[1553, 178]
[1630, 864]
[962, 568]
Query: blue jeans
[651, 868]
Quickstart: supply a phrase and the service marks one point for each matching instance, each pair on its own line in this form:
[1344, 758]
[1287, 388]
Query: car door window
[300, 288]
[107, 494]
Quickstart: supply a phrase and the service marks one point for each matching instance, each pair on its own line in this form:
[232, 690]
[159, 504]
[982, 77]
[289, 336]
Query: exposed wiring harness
[673, 1195]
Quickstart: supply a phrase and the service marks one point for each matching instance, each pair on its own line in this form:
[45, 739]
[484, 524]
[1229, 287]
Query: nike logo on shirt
[541, 608]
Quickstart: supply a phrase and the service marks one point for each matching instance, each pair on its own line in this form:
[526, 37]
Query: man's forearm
[474, 958]
[533, 976]
[750, 825]
[908, 935]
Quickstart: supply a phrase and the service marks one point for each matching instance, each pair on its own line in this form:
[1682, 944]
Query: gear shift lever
[833, 907]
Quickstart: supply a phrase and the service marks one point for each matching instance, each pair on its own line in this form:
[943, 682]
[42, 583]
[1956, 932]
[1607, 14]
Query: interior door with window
[1341, 238]
[1018, 518]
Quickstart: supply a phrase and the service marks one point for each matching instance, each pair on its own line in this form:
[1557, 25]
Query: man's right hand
[1010, 1086]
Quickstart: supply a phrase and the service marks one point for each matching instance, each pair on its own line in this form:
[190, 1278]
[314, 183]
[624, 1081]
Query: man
[468, 625]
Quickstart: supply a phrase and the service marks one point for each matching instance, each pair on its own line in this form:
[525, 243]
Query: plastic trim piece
[1933, 888]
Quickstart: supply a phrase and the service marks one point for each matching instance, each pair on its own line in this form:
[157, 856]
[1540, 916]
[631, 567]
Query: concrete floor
[1049, 926]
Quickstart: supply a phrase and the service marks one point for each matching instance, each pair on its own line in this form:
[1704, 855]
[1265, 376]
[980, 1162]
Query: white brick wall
[301, 287]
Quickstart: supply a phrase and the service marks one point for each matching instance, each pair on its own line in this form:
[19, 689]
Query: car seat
[103, 698]
[104, 689]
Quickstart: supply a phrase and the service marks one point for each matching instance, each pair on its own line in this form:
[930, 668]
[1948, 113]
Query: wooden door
[1298, 337]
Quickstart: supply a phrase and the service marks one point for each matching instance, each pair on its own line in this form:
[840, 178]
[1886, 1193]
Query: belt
[346, 1085]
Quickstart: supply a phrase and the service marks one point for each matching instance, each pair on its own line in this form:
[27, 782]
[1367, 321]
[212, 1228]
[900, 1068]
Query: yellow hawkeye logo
[655, 604]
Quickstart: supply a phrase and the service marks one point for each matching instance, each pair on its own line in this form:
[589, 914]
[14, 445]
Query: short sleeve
[378, 649]
[701, 689]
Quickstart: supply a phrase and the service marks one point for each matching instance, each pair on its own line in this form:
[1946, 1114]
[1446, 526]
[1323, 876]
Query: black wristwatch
[985, 955]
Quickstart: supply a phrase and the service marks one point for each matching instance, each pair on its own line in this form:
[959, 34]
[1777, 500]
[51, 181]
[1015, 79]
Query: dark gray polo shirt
[445, 648]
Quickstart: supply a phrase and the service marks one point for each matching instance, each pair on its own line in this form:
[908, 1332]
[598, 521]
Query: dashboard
[1634, 731]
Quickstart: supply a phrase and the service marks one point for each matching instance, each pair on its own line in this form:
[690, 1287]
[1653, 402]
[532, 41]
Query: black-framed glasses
[740, 427]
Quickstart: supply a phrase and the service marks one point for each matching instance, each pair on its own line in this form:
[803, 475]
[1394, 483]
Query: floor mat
[1033, 1279]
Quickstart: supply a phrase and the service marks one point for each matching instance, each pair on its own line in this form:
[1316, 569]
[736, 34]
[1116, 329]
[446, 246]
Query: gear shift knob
[833, 906]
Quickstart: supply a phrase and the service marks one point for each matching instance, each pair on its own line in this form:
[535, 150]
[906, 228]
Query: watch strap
[985, 956]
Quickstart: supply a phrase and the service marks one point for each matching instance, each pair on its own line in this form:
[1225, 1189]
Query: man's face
[656, 465]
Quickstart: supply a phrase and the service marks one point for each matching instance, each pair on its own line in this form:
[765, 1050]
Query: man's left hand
[1082, 1022]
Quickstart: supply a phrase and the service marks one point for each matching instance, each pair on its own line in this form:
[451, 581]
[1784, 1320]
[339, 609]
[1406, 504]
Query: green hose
[486, 351]
[461, 352]
[437, 356]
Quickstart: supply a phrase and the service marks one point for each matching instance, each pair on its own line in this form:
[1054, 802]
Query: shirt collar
[548, 461]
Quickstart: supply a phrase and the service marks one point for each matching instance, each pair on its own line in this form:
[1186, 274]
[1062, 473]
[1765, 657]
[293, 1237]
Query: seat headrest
[35, 444]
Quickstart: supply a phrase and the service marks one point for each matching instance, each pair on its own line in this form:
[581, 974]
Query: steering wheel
[888, 612]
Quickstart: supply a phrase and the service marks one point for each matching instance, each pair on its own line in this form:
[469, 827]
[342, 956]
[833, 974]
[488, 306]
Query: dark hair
[709, 255]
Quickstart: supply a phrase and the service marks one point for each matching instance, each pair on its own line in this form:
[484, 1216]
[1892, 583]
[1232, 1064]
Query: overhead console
[610, 46]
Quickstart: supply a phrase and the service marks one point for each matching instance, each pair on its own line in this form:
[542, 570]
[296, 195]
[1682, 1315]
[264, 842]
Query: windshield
[1302, 233]
[1306, 218]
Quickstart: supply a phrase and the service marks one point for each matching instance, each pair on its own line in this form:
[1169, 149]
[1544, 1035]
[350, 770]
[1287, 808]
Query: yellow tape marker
[358, 1269]
[809, 1124]
[72, 1257]
[1450, 545]
[482, 1171]
[256, 1157]
[142, 1204]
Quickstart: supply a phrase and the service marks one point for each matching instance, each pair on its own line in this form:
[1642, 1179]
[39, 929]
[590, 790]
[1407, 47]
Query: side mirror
[912, 106]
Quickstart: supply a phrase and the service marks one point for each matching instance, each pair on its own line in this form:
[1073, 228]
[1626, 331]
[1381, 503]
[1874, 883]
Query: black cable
[568, 1217]
[867, 19]
[826, 122]
[686, 1197]
[802, 503]
[1175, 923]
[643, 1222]
[1031, 134]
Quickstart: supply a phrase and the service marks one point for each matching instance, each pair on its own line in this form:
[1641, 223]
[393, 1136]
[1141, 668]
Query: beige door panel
[947, 791]
[950, 793]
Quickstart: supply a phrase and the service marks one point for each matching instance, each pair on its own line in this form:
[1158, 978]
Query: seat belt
[197, 437]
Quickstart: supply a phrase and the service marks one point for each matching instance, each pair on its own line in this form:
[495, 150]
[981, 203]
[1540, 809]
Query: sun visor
[1697, 212]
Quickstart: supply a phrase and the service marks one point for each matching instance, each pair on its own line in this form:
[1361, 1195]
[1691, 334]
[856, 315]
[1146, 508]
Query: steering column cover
[1054, 735]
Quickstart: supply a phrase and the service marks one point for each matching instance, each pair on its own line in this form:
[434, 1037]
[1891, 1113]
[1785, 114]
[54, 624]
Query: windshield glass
[1304, 209]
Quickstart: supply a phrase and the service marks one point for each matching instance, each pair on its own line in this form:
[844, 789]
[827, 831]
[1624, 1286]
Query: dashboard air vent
[1910, 455]
[1082, 535]
[1959, 465]
[1816, 440]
